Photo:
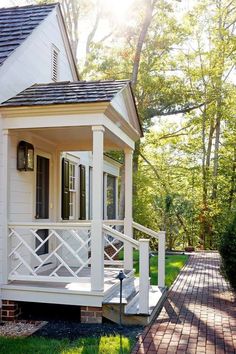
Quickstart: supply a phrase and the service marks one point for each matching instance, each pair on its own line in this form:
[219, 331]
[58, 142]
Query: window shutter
[55, 54]
[65, 198]
[82, 193]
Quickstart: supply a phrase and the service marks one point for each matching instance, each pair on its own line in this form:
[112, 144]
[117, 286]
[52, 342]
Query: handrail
[113, 222]
[148, 231]
[120, 236]
[49, 225]
[160, 236]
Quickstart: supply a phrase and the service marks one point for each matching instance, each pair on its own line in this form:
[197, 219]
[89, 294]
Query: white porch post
[144, 282]
[97, 242]
[161, 258]
[5, 188]
[128, 228]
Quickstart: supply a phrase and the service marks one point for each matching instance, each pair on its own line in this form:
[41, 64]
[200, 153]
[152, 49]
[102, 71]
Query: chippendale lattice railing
[113, 246]
[50, 252]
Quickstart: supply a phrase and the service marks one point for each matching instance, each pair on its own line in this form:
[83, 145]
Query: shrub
[227, 248]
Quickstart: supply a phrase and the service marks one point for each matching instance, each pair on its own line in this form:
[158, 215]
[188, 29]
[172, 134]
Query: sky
[119, 6]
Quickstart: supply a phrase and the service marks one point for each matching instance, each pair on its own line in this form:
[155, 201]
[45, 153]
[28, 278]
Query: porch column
[5, 200]
[97, 242]
[128, 228]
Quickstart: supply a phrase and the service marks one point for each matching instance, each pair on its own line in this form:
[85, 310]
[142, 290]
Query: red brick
[199, 315]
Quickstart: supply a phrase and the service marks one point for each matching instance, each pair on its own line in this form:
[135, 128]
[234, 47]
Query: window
[72, 190]
[42, 188]
[42, 201]
[82, 193]
[55, 57]
[111, 197]
[65, 198]
[90, 191]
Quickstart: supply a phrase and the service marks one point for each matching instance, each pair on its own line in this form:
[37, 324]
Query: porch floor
[83, 284]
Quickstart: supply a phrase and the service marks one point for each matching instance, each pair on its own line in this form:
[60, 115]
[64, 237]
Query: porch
[64, 276]
[46, 256]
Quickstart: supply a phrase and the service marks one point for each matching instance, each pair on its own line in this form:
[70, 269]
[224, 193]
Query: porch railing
[143, 246]
[161, 237]
[48, 251]
[61, 252]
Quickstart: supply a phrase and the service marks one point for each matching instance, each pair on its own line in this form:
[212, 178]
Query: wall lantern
[25, 156]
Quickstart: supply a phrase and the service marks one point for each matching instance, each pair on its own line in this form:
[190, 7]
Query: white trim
[50, 225]
[69, 53]
[51, 296]
[128, 229]
[144, 276]
[105, 195]
[97, 242]
[5, 202]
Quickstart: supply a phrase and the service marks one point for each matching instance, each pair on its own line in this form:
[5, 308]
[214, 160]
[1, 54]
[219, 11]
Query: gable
[17, 23]
[31, 63]
[124, 104]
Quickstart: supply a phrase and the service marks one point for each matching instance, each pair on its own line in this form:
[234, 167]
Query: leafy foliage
[227, 250]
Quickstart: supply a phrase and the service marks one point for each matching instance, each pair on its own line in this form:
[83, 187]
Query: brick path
[199, 315]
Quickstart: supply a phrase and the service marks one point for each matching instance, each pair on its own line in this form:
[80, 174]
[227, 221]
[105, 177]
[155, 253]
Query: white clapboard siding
[30, 63]
[1, 196]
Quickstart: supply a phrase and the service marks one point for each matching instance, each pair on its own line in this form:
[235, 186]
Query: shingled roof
[17, 23]
[67, 92]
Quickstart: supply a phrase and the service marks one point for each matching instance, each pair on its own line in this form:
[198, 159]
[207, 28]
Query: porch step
[113, 295]
[130, 304]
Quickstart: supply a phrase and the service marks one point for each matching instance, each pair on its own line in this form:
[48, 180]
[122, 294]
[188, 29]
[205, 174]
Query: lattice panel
[68, 253]
[112, 247]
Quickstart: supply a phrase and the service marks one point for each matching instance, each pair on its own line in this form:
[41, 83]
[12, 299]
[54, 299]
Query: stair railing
[161, 237]
[143, 246]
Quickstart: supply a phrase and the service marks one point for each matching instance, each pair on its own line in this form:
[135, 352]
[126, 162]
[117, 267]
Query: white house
[58, 191]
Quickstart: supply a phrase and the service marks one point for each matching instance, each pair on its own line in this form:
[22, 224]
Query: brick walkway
[199, 315]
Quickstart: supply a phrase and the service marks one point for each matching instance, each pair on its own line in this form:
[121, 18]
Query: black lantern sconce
[25, 156]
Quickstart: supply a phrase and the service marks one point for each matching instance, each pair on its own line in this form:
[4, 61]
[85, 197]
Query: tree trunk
[144, 29]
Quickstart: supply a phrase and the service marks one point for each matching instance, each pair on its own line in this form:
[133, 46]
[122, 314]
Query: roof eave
[136, 109]
[53, 109]
[63, 28]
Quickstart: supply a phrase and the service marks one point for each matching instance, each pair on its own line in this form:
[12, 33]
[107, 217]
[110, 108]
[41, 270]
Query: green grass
[104, 345]
[174, 263]
[33, 345]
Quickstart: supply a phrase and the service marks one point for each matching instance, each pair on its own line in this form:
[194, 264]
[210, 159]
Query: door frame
[51, 244]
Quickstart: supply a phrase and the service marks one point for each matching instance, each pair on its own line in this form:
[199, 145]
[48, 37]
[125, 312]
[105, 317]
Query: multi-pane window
[111, 197]
[72, 190]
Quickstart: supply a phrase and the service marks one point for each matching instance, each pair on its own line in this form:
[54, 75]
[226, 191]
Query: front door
[42, 204]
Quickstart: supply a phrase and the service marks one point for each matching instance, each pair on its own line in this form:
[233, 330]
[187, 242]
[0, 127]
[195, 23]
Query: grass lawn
[104, 345]
[174, 263]
[32, 345]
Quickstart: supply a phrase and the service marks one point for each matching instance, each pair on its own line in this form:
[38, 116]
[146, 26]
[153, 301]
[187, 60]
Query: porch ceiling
[76, 138]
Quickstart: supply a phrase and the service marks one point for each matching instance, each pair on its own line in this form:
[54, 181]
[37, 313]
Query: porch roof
[67, 92]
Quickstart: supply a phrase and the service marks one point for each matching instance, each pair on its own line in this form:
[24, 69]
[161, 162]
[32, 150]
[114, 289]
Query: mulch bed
[75, 330]
[55, 329]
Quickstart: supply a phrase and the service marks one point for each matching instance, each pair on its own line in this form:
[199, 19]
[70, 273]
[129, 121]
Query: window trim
[72, 191]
